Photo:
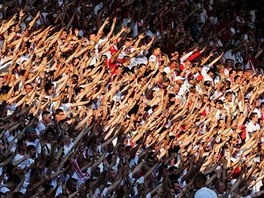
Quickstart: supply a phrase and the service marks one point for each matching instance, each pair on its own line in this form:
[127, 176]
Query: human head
[229, 63]
[221, 123]
[157, 51]
[188, 65]
[207, 84]
[210, 73]
[93, 37]
[173, 64]
[176, 186]
[237, 79]
[49, 88]
[248, 73]
[254, 117]
[220, 187]
[74, 79]
[71, 184]
[31, 75]
[128, 42]
[228, 185]
[228, 96]
[63, 35]
[28, 88]
[219, 104]
[262, 106]
[46, 117]
[232, 73]
[126, 60]
[199, 180]
[31, 134]
[31, 150]
[176, 88]
[2, 81]
[240, 73]
[75, 61]
[50, 134]
[59, 113]
[21, 145]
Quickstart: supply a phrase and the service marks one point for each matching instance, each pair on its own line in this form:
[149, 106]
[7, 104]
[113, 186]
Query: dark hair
[50, 130]
[13, 178]
[200, 178]
[128, 39]
[22, 72]
[30, 147]
[219, 102]
[78, 89]
[48, 86]
[28, 84]
[207, 83]
[252, 115]
[58, 111]
[231, 71]
[236, 77]
[218, 182]
[20, 142]
[228, 83]
[210, 70]
[126, 58]
[240, 70]
[228, 93]
[45, 113]
[75, 78]
[69, 182]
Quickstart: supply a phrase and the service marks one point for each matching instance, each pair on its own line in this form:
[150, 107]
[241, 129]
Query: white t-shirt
[205, 69]
[205, 193]
[155, 60]
[41, 127]
[251, 128]
[167, 70]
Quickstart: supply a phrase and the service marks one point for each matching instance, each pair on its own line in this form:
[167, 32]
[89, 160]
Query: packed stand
[101, 100]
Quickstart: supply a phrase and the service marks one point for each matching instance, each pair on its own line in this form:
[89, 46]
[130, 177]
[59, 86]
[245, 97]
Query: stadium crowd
[131, 98]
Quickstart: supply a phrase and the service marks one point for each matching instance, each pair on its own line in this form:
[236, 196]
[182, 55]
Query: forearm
[4, 46]
[82, 51]
[8, 160]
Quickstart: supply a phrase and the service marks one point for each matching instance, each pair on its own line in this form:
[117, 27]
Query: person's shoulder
[249, 124]
[205, 192]
[152, 57]
[17, 157]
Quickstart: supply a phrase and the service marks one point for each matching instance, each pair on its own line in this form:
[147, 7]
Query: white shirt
[167, 70]
[205, 193]
[205, 69]
[155, 60]
[251, 128]
[67, 148]
[184, 88]
[229, 55]
[36, 144]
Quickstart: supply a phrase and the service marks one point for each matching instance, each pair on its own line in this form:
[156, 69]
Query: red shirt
[191, 58]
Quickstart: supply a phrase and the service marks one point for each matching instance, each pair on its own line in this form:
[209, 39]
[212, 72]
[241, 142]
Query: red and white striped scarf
[77, 169]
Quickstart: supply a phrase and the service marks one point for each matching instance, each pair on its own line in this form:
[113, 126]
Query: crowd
[131, 98]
